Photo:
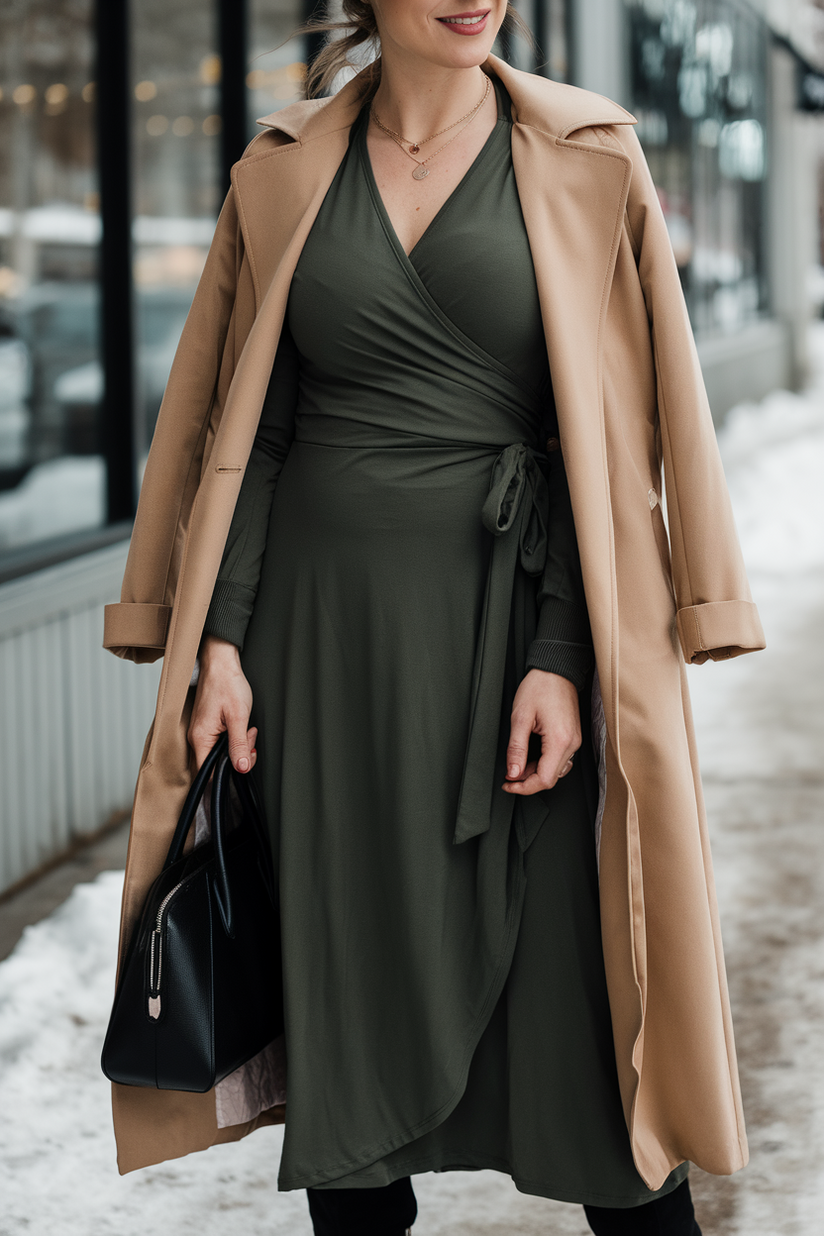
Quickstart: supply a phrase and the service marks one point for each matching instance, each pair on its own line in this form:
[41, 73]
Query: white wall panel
[73, 718]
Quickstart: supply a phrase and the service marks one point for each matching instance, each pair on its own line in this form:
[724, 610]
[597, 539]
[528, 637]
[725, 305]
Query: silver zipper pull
[156, 955]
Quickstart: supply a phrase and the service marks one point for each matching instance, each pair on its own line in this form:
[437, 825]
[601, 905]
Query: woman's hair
[360, 29]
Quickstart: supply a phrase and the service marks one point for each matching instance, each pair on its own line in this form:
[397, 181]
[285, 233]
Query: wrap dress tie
[515, 513]
[402, 551]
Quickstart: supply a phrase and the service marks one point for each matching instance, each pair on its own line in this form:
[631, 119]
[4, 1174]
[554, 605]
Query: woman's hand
[545, 704]
[223, 701]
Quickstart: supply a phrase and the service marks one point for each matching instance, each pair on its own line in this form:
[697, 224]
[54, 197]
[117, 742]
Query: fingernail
[513, 770]
[242, 764]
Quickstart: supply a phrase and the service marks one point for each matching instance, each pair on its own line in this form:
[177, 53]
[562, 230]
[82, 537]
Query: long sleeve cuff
[572, 661]
[229, 611]
[563, 642]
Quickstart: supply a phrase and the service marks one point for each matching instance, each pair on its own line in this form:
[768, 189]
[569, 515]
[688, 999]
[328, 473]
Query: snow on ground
[760, 721]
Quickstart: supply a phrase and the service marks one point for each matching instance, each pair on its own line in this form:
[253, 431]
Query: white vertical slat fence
[73, 718]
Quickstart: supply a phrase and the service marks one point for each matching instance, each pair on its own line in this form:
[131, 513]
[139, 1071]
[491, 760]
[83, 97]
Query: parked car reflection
[50, 372]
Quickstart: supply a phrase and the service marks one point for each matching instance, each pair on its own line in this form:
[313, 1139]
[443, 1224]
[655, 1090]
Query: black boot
[387, 1211]
[670, 1215]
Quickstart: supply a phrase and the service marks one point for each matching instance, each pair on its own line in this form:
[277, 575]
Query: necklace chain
[421, 169]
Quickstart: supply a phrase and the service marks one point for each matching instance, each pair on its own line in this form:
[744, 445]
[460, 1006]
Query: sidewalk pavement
[42, 896]
[760, 722]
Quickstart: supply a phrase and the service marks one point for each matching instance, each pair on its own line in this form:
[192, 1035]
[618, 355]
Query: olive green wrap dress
[401, 552]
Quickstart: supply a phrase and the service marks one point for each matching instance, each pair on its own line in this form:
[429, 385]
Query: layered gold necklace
[412, 148]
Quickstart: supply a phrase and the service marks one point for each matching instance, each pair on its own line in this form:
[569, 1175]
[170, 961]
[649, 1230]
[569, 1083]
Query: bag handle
[220, 805]
[194, 796]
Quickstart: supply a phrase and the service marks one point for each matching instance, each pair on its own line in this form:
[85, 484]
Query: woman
[403, 498]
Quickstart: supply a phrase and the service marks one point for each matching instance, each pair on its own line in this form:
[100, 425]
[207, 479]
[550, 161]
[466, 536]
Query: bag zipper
[156, 954]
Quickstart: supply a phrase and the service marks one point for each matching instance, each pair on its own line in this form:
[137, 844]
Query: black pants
[391, 1210]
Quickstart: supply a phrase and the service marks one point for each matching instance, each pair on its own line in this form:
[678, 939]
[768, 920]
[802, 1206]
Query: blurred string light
[145, 91]
[212, 125]
[283, 83]
[57, 98]
[156, 126]
[209, 70]
[87, 93]
[183, 126]
[24, 95]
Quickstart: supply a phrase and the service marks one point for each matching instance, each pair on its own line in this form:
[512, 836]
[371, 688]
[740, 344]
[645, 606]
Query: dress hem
[470, 1163]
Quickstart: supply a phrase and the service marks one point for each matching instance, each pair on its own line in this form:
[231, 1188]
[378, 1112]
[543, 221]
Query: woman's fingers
[545, 704]
[519, 735]
[241, 741]
[223, 702]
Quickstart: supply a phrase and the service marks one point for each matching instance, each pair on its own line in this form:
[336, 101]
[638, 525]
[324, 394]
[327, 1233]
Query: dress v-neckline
[366, 164]
[406, 260]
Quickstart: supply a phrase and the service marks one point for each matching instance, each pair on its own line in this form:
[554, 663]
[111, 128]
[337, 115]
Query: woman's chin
[453, 52]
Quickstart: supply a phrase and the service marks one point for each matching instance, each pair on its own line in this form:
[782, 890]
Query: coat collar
[551, 107]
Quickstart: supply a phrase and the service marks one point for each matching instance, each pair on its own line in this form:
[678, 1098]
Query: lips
[466, 23]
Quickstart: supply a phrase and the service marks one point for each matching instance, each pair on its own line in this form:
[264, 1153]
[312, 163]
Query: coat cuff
[127, 626]
[720, 630]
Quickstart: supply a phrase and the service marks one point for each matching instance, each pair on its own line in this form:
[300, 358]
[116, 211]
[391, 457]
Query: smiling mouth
[466, 20]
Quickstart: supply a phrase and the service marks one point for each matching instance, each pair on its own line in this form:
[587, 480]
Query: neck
[416, 99]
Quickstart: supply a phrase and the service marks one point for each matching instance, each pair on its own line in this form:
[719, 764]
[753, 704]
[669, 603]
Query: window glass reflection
[277, 66]
[175, 128]
[51, 470]
[699, 93]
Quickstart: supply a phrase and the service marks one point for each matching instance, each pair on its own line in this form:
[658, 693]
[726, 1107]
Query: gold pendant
[420, 172]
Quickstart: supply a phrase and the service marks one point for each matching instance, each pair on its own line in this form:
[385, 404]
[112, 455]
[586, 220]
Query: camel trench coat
[630, 401]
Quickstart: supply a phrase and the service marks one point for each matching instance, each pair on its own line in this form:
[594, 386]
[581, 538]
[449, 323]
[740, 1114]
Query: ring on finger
[567, 768]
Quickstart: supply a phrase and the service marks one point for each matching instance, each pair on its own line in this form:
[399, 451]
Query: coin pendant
[414, 148]
[420, 172]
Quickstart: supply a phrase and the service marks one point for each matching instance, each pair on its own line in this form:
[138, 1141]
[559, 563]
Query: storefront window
[177, 192]
[277, 67]
[699, 93]
[51, 470]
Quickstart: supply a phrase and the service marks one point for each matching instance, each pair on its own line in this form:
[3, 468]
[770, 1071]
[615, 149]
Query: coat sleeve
[716, 616]
[135, 629]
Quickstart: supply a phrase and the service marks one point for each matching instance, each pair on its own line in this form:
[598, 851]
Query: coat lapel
[573, 198]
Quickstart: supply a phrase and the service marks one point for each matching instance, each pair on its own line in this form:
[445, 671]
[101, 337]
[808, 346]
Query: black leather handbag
[200, 990]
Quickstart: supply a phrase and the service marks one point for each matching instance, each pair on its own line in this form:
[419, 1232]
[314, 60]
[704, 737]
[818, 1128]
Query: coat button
[552, 444]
